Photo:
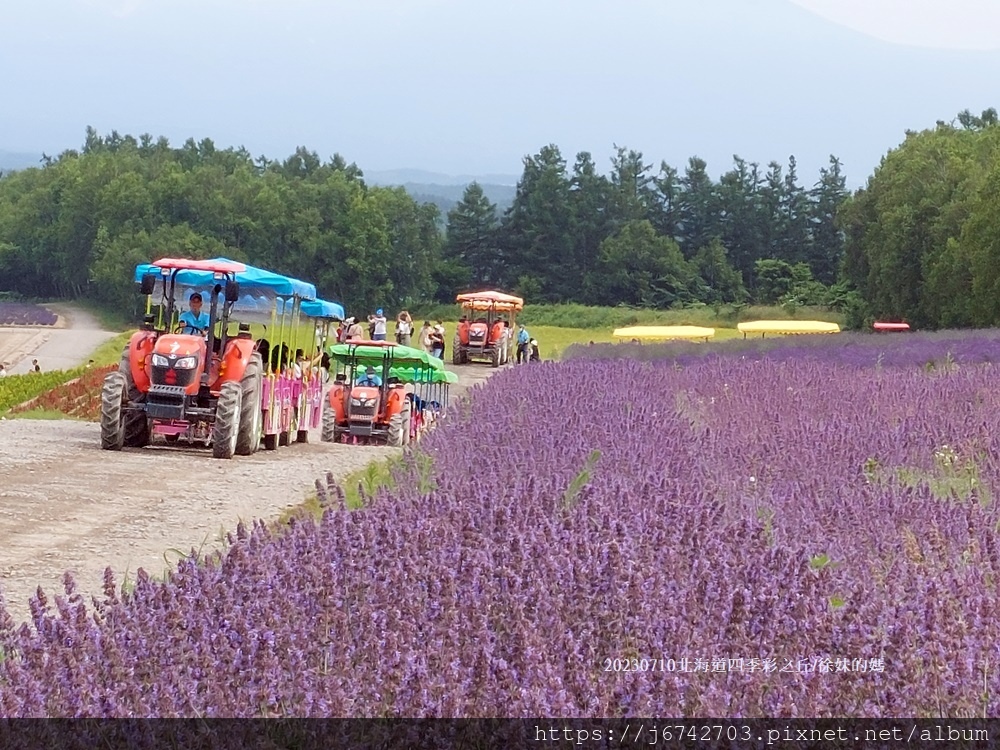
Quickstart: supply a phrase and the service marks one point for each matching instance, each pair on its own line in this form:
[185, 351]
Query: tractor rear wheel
[399, 428]
[329, 430]
[407, 423]
[495, 359]
[456, 350]
[112, 414]
[136, 424]
[251, 419]
[226, 430]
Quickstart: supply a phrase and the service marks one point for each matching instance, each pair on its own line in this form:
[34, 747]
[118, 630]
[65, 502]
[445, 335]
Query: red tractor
[363, 403]
[206, 388]
[486, 332]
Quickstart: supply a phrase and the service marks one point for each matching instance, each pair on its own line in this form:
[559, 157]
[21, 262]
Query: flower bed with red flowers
[79, 398]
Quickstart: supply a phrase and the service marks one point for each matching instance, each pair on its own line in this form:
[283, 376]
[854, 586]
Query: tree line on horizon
[652, 239]
[914, 244]
[78, 225]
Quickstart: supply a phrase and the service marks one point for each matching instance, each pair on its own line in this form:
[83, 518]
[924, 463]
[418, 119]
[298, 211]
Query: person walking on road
[523, 337]
[437, 341]
[404, 328]
[425, 337]
[378, 325]
[444, 345]
[354, 330]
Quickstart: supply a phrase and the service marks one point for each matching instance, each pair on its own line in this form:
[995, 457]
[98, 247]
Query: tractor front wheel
[226, 430]
[328, 433]
[399, 428]
[136, 431]
[112, 412]
[251, 418]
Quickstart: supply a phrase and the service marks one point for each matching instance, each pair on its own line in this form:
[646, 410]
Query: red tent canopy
[891, 326]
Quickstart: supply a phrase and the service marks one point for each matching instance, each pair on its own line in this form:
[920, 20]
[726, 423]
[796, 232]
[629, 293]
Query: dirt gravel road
[61, 347]
[66, 505]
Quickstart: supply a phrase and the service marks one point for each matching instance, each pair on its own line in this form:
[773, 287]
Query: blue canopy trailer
[295, 383]
[262, 294]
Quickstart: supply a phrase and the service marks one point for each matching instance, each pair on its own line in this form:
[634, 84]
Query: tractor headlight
[160, 361]
[357, 402]
[186, 363]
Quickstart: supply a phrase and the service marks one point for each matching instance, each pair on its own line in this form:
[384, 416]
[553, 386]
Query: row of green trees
[923, 237]
[77, 226]
[649, 238]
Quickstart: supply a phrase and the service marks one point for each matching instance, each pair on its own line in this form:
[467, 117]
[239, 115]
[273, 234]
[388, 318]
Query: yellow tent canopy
[787, 326]
[664, 332]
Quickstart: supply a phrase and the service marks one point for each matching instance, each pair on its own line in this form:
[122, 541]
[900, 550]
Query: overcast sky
[470, 87]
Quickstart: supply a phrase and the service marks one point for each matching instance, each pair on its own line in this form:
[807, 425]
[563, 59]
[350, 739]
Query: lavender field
[23, 314]
[772, 535]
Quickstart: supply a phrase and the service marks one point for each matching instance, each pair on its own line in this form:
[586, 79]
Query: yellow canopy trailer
[764, 327]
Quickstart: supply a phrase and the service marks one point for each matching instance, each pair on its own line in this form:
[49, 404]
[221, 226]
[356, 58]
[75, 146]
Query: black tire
[495, 359]
[302, 436]
[251, 418]
[112, 415]
[407, 420]
[270, 442]
[171, 438]
[399, 428]
[284, 438]
[328, 434]
[226, 429]
[456, 351]
[137, 432]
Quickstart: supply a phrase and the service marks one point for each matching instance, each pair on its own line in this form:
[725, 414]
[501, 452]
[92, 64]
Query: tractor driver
[370, 379]
[195, 321]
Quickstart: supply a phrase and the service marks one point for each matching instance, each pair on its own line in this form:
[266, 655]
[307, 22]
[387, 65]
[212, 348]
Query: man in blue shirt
[522, 345]
[195, 321]
[370, 379]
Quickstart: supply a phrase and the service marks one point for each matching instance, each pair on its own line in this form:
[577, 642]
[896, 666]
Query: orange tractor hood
[179, 345]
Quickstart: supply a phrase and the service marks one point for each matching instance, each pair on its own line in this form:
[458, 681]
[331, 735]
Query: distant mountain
[11, 160]
[445, 191]
[421, 176]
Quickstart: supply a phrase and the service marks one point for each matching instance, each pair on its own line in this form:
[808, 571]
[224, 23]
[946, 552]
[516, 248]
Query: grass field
[556, 327]
[552, 340]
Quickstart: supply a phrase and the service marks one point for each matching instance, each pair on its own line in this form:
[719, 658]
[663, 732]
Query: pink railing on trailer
[311, 405]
